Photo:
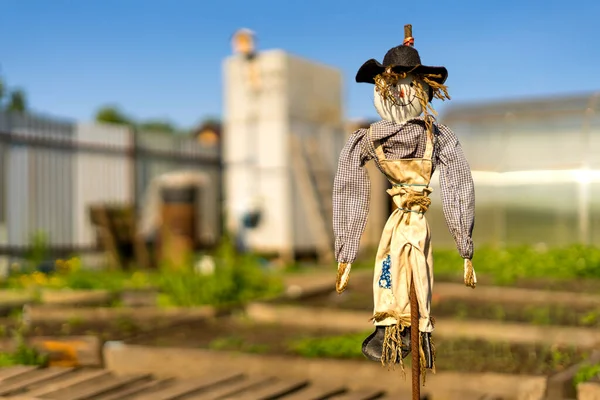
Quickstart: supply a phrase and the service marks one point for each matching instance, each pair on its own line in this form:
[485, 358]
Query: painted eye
[412, 84]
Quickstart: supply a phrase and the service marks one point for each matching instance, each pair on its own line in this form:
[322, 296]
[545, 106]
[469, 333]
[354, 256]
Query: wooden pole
[414, 303]
[407, 31]
[414, 340]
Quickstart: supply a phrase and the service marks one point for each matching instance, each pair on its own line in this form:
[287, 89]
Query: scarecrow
[407, 145]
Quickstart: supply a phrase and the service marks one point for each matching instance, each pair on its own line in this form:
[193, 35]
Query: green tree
[210, 120]
[2, 90]
[12, 100]
[157, 126]
[112, 115]
[17, 101]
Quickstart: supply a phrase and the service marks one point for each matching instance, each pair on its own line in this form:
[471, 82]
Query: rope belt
[406, 198]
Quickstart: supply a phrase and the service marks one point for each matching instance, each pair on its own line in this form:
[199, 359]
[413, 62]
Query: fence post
[133, 159]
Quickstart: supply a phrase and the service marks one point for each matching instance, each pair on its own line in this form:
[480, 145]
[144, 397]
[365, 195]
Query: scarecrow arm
[351, 196]
[457, 191]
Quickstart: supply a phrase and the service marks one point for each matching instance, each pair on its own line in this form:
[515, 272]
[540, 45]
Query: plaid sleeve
[457, 191]
[351, 195]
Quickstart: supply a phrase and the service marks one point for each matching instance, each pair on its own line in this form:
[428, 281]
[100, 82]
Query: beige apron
[404, 251]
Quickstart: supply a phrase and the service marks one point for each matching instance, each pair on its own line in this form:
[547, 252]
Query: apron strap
[377, 146]
[428, 145]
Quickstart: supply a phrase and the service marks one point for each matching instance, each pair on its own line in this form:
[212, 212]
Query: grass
[23, 353]
[236, 343]
[342, 346]
[525, 262]
[236, 279]
[456, 354]
[586, 373]
[508, 266]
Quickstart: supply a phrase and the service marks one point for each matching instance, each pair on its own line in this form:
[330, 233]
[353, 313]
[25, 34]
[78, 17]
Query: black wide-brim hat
[403, 58]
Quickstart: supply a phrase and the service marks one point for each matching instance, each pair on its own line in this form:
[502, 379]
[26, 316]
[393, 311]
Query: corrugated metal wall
[2, 194]
[102, 176]
[52, 171]
[38, 180]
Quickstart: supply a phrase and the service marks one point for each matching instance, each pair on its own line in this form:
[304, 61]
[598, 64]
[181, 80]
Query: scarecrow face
[406, 104]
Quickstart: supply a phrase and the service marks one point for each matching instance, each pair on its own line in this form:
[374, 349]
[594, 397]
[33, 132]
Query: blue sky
[162, 59]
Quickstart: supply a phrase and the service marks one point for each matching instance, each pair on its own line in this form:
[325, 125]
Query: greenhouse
[536, 166]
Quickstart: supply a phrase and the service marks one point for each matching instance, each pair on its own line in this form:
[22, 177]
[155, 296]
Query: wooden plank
[77, 298]
[316, 393]
[271, 391]
[182, 388]
[231, 389]
[12, 372]
[361, 395]
[560, 385]
[97, 388]
[134, 389]
[39, 376]
[80, 377]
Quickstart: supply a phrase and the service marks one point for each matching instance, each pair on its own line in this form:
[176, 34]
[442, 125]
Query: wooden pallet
[31, 383]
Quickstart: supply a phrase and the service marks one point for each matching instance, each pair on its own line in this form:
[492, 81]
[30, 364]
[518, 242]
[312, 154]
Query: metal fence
[52, 171]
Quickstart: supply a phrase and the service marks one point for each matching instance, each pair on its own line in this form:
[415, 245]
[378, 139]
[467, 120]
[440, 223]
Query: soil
[120, 329]
[536, 315]
[240, 334]
[455, 355]
[553, 284]
[236, 333]
[359, 297]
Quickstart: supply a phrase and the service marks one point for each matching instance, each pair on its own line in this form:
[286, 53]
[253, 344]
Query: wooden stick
[415, 345]
[407, 31]
[408, 39]
[414, 303]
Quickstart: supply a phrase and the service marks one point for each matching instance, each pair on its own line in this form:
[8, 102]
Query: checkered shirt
[351, 189]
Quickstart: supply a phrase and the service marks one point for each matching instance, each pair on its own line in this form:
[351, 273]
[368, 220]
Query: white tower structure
[283, 132]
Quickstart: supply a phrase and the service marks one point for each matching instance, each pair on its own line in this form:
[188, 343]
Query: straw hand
[343, 275]
[469, 275]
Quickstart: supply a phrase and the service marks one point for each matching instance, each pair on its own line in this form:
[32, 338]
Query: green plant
[462, 312]
[234, 343]
[586, 372]
[342, 346]
[236, 279]
[506, 266]
[23, 353]
[39, 250]
[75, 321]
[590, 319]
[540, 316]
[125, 324]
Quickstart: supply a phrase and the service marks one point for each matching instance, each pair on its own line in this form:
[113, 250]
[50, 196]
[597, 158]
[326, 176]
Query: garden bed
[461, 355]
[571, 284]
[582, 312]
[109, 324]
